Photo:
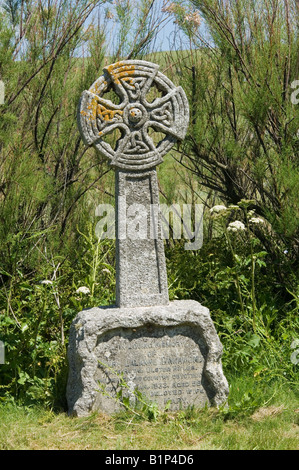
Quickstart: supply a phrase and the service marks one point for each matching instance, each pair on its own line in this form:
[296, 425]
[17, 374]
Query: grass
[267, 420]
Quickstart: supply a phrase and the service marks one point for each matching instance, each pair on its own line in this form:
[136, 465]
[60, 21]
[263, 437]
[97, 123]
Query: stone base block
[169, 353]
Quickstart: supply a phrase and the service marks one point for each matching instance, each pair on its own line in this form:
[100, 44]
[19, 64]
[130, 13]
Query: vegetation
[262, 423]
[237, 61]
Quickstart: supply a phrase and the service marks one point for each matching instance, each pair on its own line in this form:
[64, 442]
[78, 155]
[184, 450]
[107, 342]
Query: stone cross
[165, 350]
[141, 278]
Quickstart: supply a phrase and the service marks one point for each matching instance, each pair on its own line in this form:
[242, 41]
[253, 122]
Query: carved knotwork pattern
[134, 116]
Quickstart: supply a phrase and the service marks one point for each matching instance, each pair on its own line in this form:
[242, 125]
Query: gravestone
[168, 351]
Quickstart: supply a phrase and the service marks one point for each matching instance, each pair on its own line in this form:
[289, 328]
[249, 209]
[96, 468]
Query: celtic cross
[140, 262]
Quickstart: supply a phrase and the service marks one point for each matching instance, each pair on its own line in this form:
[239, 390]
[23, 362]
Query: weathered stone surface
[141, 278]
[167, 352]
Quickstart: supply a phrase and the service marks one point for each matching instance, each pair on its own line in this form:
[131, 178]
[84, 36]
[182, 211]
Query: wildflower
[83, 290]
[217, 209]
[236, 226]
[256, 220]
[46, 282]
[194, 19]
[169, 8]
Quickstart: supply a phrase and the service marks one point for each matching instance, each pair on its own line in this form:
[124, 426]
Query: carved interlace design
[132, 81]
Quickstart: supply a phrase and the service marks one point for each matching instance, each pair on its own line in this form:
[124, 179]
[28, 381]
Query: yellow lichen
[98, 87]
[97, 110]
[107, 114]
[120, 70]
[92, 108]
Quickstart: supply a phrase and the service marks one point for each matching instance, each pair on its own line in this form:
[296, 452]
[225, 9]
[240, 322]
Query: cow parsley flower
[217, 209]
[236, 226]
[256, 220]
[46, 282]
[83, 290]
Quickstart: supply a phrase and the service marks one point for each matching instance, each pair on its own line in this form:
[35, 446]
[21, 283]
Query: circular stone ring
[132, 81]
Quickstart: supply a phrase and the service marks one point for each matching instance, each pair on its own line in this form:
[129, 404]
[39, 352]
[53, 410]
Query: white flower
[236, 226]
[46, 282]
[217, 209]
[256, 220]
[83, 290]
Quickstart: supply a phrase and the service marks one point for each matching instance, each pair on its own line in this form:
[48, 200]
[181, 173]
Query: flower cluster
[83, 290]
[223, 211]
[256, 220]
[169, 7]
[236, 226]
[217, 209]
[194, 19]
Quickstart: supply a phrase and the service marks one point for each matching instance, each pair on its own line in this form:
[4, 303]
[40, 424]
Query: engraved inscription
[165, 367]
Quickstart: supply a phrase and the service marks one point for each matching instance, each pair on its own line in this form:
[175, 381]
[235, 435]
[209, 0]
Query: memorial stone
[169, 351]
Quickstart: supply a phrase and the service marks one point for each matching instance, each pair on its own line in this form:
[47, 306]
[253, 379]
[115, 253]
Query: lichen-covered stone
[134, 116]
[169, 353]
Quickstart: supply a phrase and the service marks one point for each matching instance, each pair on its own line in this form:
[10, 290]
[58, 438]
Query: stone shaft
[141, 278]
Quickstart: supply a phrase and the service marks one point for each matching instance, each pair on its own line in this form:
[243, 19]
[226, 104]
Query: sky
[166, 34]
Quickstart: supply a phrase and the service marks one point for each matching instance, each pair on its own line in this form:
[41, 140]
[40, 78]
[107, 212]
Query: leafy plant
[133, 400]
